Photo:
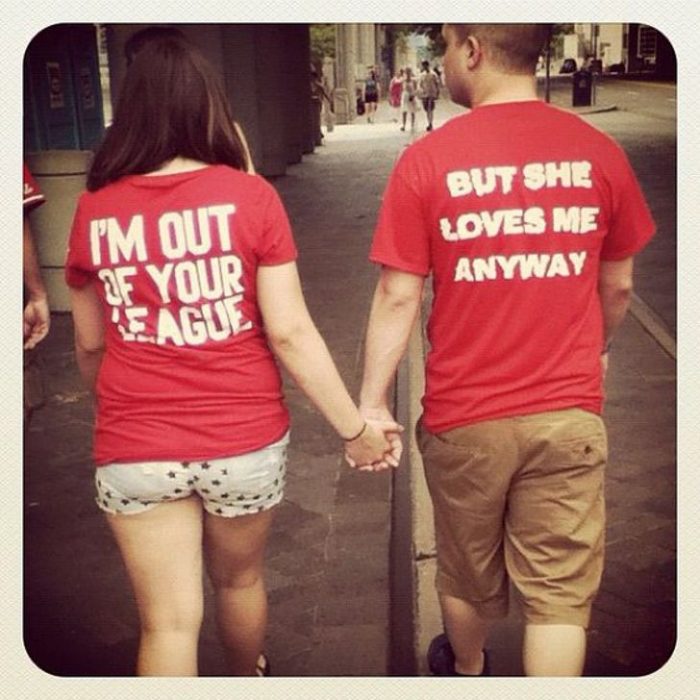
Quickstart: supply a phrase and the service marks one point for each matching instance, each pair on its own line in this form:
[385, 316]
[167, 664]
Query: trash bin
[582, 88]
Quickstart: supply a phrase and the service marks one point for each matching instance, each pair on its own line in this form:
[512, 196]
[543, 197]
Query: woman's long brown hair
[171, 104]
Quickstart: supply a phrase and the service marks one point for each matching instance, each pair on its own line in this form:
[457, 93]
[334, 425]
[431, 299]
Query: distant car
[568, 66]
[616, 68]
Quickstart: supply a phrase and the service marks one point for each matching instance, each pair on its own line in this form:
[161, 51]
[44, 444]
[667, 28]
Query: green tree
[322, 42]
[437, 43]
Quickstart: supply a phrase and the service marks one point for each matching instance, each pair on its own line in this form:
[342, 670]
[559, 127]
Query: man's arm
[395, 307]
[615, 291]
[37, 317]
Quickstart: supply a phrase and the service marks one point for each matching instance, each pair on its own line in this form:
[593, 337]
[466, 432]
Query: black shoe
[430, 127]
[441, 658]
[262, 667]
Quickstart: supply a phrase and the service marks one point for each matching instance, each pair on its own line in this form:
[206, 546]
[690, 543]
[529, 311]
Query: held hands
[379, 447]
[36, 321]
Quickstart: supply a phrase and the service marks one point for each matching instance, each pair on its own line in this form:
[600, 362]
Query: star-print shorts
[230, 486]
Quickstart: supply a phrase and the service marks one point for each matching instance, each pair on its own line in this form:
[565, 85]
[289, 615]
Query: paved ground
[329, 553]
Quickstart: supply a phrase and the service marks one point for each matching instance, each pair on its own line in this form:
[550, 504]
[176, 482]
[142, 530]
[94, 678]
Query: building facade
[266, 75]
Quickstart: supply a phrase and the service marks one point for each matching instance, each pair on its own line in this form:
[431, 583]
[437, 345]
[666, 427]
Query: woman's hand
[377, 448]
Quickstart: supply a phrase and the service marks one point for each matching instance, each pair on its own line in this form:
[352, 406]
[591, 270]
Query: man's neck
[501, 88]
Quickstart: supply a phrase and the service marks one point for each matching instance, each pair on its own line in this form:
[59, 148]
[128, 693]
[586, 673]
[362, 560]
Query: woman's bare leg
[234, 552]
[162, 551]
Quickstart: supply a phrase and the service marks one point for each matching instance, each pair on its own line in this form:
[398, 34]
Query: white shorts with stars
[229, 486]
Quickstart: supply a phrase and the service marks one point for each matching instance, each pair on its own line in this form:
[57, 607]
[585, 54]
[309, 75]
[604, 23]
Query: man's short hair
[514, 48]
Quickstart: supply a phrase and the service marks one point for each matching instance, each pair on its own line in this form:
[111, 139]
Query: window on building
[646, 47]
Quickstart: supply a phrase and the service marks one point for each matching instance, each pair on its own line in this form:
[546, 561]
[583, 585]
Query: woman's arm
[299, 346]
[88, 322]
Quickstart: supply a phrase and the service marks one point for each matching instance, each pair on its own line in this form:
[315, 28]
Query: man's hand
[376, 449]
[36, 322]
[380, 418]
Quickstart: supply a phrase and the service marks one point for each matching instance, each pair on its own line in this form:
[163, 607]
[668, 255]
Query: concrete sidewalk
[330, 554]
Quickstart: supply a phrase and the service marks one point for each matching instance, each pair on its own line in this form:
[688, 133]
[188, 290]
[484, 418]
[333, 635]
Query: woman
[371, 96]
[395, 90]
[182, 275]
[409, 101]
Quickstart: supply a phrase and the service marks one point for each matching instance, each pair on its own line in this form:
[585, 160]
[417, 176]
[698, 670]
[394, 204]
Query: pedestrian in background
[183, 282]
[395, 90]
[409, 102]
[320, 99]
[428, 91]
[371, 95]
[36, 315]
[528, 220]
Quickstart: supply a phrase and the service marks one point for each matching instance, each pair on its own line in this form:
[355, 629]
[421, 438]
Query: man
[528, 220]
[429, 91]
[36, 316]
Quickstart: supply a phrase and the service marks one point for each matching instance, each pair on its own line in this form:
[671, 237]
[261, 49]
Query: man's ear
[474, 51]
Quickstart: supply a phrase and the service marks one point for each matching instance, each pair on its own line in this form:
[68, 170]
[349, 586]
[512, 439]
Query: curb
[593, 109]
[654, 325]
[427, 615]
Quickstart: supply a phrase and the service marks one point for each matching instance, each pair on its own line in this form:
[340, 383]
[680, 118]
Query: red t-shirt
[32, 196]
[187, 371]
[511, 207]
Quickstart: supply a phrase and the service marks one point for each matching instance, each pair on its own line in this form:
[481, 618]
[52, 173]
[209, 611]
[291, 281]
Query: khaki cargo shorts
[520, 499]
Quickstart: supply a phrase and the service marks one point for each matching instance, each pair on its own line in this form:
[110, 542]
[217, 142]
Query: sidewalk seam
[653, 324]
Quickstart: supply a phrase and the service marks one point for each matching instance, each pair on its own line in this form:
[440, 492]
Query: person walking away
[528, 220]
[429, 91]
[409, 103]
[319, 96]
[395, 89]
[371, 96]
[183, 282]
[36, 315]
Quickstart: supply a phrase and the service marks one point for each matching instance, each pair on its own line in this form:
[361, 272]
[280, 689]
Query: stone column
[273, 104]
[346, 53]
[239, 72]
[295, 81]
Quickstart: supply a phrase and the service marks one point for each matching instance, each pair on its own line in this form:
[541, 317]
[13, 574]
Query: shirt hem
[594, 407]
[413, 269]
[193, 457]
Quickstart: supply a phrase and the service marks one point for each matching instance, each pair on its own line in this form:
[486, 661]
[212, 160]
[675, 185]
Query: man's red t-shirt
[511, 207]
[187, 371]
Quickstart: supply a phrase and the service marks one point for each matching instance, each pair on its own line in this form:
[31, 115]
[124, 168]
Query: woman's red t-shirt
[187, 372]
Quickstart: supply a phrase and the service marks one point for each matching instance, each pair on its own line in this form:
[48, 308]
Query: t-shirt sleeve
[32, 196]
[401, 237]
[277, 242]
[78, 268]
[631, 225]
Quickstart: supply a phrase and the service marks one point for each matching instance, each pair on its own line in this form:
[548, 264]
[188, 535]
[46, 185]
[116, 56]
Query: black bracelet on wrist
[352, 439]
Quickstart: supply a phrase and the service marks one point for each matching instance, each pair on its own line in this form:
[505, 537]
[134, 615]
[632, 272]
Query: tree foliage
[434, 33]
[322, 42]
